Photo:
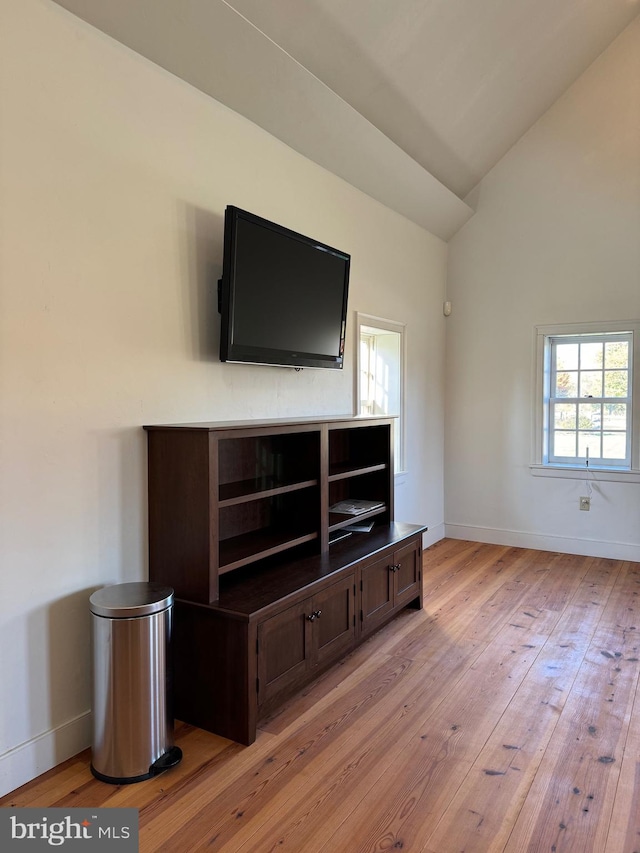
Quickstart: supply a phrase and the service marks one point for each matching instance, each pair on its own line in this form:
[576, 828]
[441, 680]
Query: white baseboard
[540, 542]
[433, 535]
[23, 763]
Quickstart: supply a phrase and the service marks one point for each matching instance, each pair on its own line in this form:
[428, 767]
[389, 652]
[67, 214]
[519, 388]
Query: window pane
[589, 415]
[366, 388]
[616, 383]
[564, 416]
[616, 354]
[614, 445]
[564, 443]
[591, 356]
[589, 441]
[566, 385]
[615, 416]
[567, 357]
[591, 383]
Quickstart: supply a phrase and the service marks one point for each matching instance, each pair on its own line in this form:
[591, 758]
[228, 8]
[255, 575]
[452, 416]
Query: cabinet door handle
[312, 617]
[318, 614]
[394, 568]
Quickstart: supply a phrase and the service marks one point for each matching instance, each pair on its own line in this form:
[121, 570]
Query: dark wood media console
[269, 590]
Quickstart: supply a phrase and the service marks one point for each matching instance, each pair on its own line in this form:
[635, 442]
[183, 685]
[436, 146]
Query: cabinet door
[334, 625]
[376, 592]
[406, 575]
[284, 650]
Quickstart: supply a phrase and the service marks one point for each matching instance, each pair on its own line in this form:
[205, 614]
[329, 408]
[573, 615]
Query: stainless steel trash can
[132, 714]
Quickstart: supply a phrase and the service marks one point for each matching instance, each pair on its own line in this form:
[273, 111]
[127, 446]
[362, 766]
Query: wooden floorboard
[504, 716]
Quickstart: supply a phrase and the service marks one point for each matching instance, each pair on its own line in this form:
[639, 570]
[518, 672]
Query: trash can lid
[129, 600]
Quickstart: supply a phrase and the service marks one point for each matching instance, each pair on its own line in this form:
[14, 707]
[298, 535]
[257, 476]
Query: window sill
[568, 472]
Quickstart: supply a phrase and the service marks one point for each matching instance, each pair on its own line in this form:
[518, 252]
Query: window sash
[367, 380]
[380, 374]
[593, 432]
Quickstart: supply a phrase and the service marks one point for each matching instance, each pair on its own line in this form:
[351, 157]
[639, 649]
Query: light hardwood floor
[502, 717]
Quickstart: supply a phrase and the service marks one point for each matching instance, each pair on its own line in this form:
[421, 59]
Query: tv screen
[283, 296]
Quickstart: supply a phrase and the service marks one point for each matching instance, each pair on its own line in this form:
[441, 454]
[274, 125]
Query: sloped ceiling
[412, 101]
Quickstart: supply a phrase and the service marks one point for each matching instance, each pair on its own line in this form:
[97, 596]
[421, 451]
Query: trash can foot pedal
[170, 758]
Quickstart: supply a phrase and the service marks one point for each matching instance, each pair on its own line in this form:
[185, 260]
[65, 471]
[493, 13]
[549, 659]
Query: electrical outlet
[585, 504]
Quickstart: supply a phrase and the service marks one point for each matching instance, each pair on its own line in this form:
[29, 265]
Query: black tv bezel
[242, 354]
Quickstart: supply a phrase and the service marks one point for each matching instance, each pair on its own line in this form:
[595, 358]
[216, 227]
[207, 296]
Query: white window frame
[541, 465]
[365, 322]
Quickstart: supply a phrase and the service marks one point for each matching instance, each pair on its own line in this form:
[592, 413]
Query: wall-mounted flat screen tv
[282, 296]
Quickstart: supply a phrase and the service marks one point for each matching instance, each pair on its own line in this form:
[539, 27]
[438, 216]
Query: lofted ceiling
[412, 101]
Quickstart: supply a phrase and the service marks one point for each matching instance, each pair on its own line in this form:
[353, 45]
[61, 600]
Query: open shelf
[344, 471]
[250, 463]
[338, 520]
[250, 530]
[229, 495]
[253, 547]
[250, 490]
[358, 447]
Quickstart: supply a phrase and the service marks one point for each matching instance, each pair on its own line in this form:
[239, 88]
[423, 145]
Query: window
[589, 393]
[380, 373]
[590, 400]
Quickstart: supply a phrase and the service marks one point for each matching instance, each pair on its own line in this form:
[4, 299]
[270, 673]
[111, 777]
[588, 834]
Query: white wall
[114, 177]
[555, 239]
